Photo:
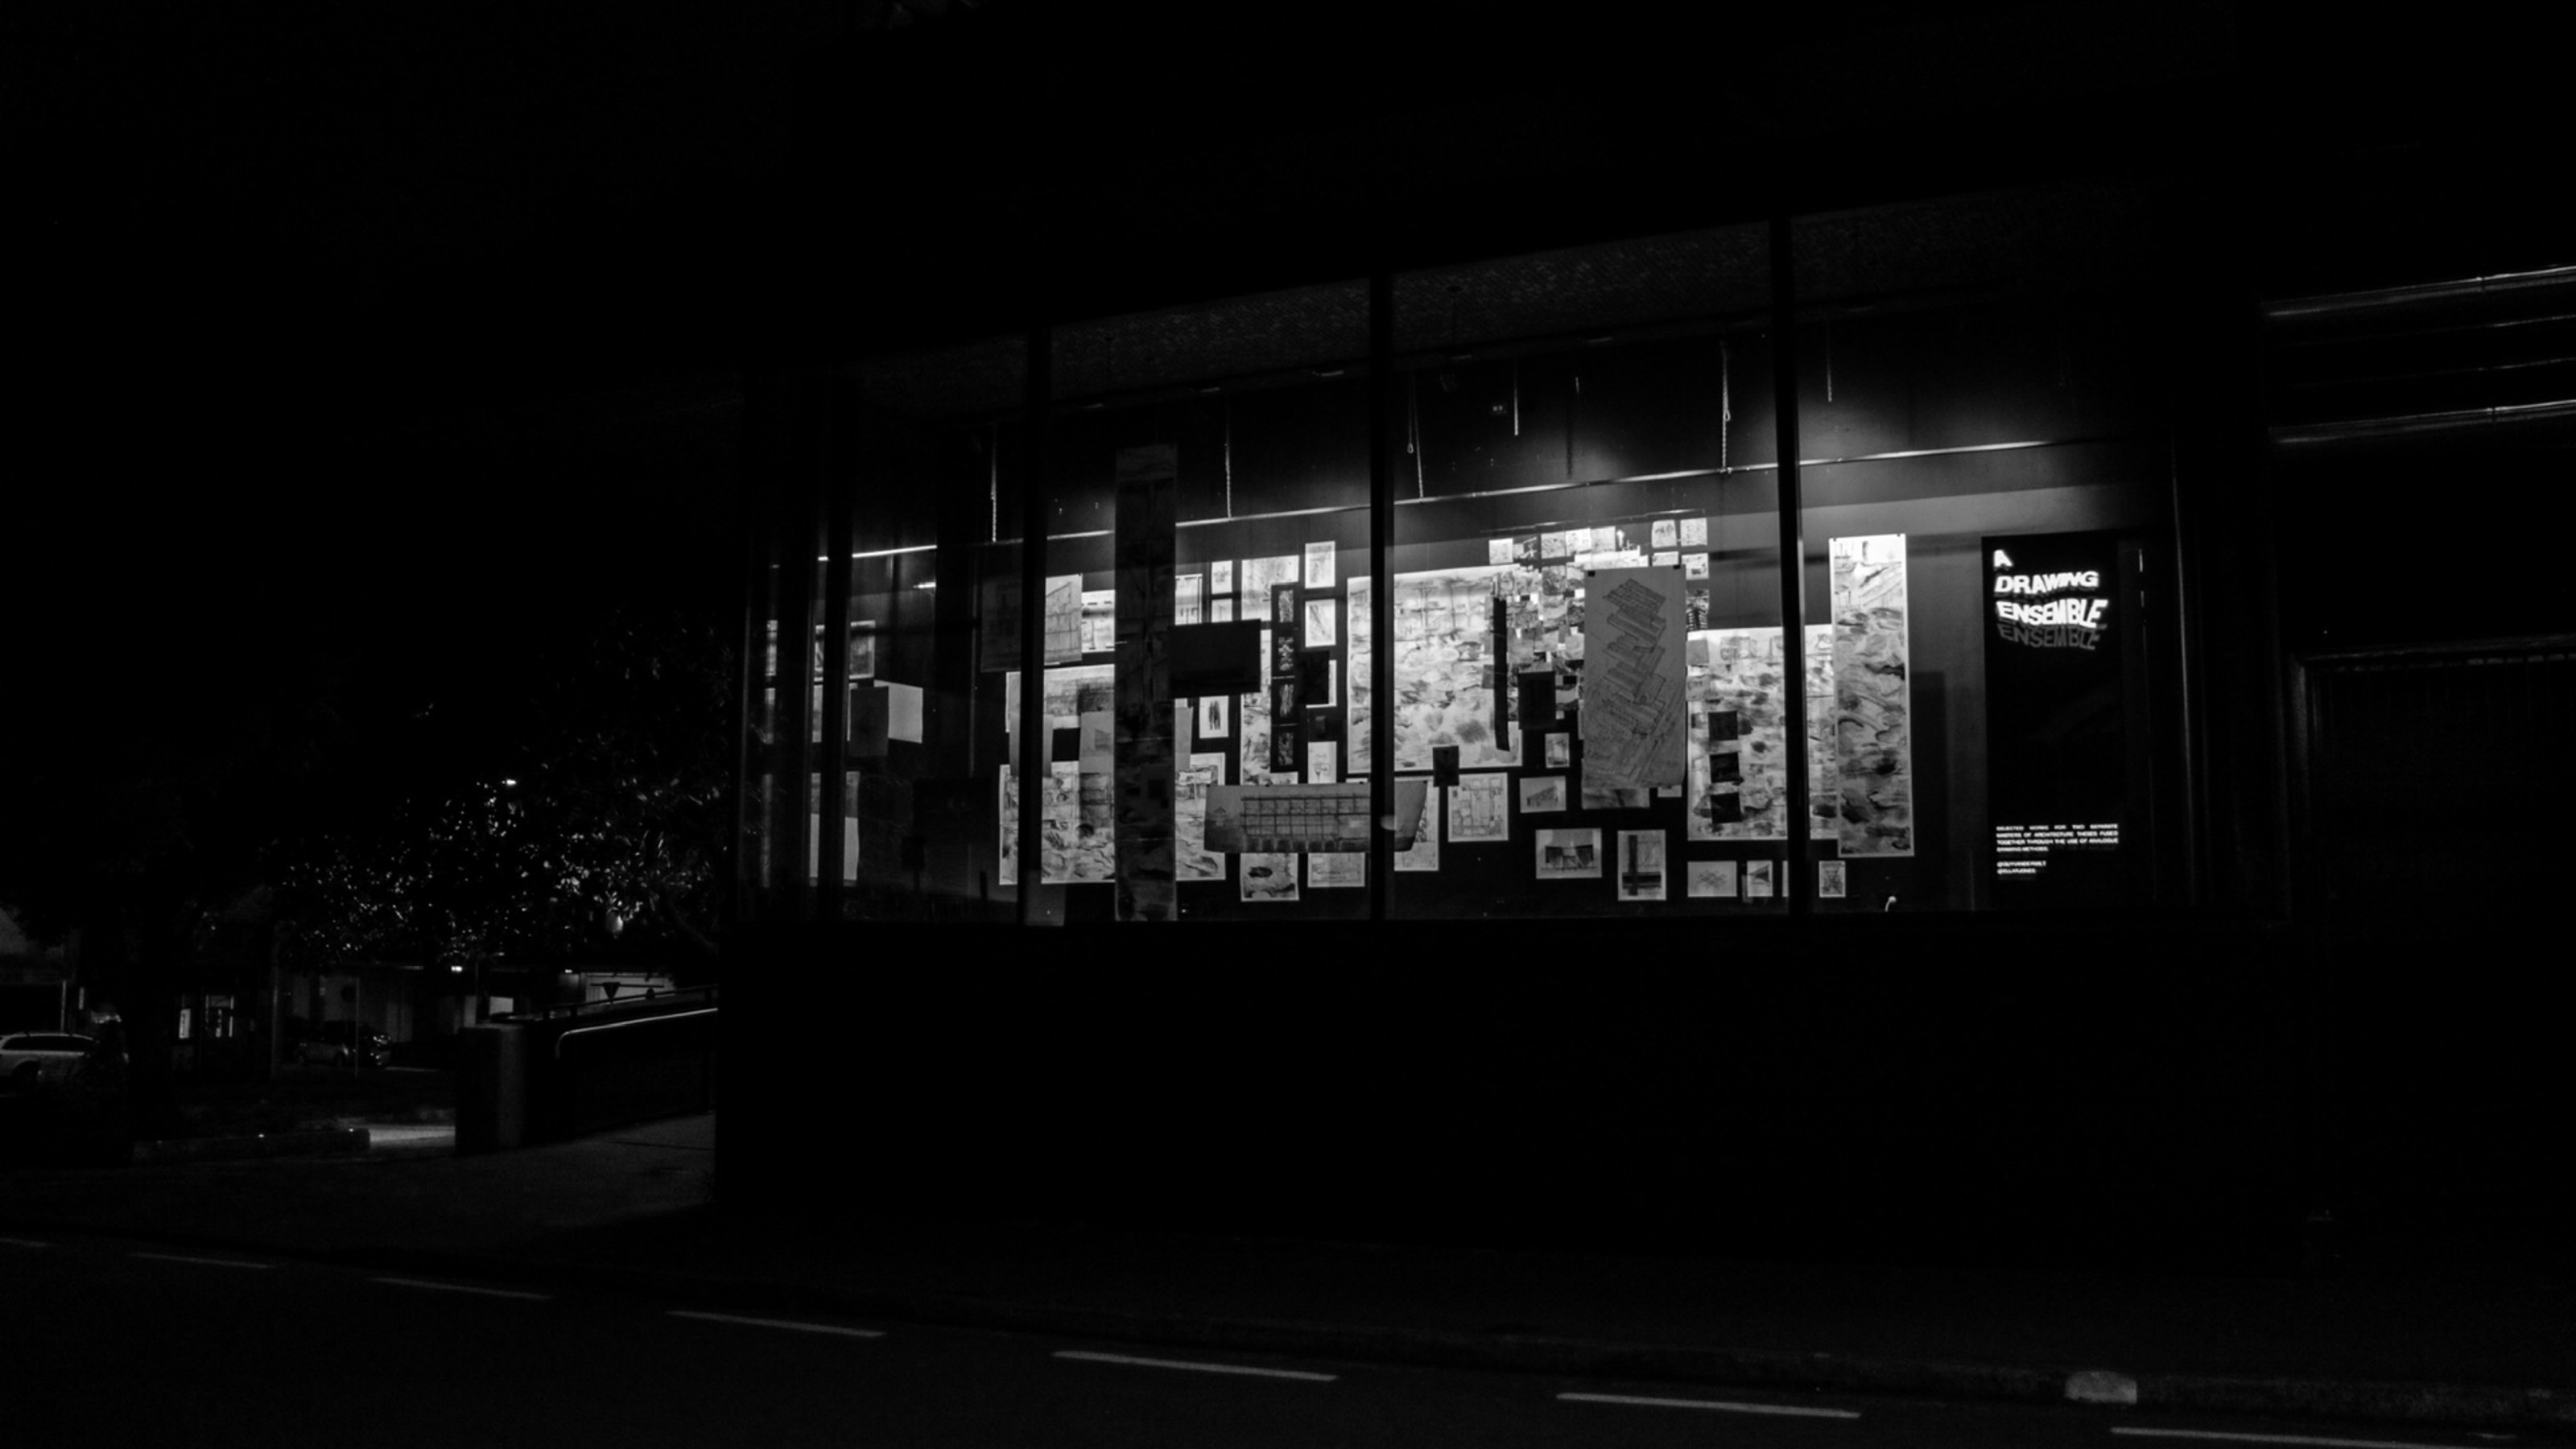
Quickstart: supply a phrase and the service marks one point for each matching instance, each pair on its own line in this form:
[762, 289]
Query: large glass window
[1603, 700]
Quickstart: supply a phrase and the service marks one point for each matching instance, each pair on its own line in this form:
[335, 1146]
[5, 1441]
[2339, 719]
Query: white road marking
[1205, 1368]
[203, 1262]
[463, 1288]
[1795, 1410]
[2236, 1438]
[780, 1323]
[26, 1242]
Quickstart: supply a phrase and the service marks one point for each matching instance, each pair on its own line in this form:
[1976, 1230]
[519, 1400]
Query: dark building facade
[1771, 654]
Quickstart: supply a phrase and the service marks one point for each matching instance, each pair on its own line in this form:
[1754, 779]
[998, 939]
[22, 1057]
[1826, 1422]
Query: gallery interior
[1337, 748]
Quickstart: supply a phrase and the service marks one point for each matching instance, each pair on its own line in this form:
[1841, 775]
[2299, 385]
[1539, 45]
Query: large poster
[1445, 669]
[1739, 732]
[2057, 720]
[1871, 789]
[1634, 684]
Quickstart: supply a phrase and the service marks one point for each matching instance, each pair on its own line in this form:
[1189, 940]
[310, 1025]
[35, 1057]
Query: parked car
[29, 1056]
[334, 1043]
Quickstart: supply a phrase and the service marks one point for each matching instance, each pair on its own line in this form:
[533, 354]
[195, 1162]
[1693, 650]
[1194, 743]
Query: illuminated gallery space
[1543, 641]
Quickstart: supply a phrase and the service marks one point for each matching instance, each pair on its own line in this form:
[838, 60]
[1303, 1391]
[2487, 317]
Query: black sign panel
[2057, 721]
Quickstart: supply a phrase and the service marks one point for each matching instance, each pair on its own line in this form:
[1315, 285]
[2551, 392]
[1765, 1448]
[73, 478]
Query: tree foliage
[584, 817]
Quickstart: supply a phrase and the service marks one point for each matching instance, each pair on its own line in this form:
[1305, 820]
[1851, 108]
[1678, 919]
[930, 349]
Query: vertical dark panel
[754, 755]
[839, 478]
[799, 535]
[1794, 886]
[1381, 464]
[1031, 766]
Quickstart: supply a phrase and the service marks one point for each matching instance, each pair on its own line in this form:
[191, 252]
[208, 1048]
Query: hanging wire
[1829, 362]
[993, 484]
[1725, 402]
[1516, 399]
[1229, 457]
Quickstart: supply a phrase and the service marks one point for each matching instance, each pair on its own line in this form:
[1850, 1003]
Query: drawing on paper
[1363, 639]
[1542, 794]
[1569, 854]
[1560, 750]
[1188, 595]
[1641, 865]
[1267, 878]
[1319, 565]
[1480, 809]
[1739, 777]
[1757, 878]
[1307, 819]
[1712, 878]
[1191, 859]
[1872, 800]
[1635, 684]
[1099, 620]
[1424, 853]
[1213, 709]
[1831, 879]
[1322, 631]
[1064, 619]
[1444, 665]
[1330, 872]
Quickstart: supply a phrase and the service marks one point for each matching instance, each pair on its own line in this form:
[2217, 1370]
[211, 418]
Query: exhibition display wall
[1594, 701]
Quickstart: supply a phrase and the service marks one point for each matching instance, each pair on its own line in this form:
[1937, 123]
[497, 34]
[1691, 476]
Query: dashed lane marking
[1799, 1411]
[2233, 1437]
[1205, 1368]
[201, 1262]
[437, 1287]
[787, 1323]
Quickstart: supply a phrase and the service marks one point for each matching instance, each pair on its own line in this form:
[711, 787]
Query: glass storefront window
[1597, 704]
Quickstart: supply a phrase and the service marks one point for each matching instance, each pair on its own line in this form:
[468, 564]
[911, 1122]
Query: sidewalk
[630, 1211]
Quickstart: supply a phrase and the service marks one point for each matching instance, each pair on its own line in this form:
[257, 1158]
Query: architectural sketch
[1569, 854]
[1542, 794]
[1480, 809]
[1301, 818]
[1635, 685]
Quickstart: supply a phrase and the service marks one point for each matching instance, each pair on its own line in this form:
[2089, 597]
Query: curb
[2424, 1403]
[308, 1143]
